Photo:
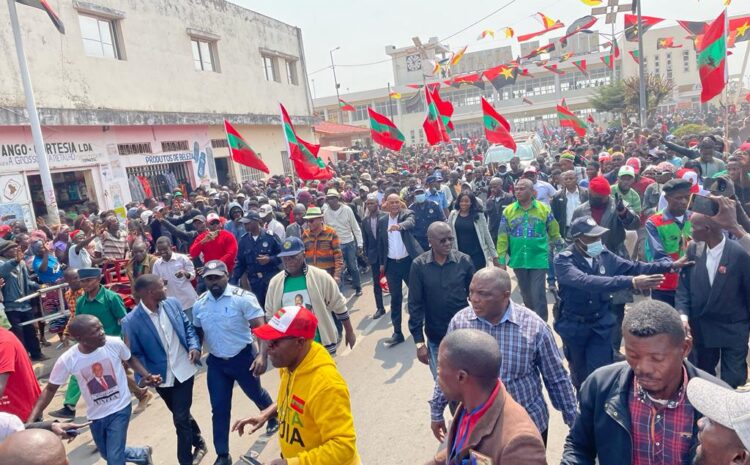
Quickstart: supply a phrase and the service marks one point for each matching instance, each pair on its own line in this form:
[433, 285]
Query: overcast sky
[363, 28]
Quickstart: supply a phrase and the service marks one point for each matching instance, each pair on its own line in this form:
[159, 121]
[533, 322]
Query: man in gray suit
[397, 247]
[713, 298]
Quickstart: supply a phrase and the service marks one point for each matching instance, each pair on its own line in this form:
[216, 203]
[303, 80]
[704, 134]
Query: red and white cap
[213, 217]
[292, 321]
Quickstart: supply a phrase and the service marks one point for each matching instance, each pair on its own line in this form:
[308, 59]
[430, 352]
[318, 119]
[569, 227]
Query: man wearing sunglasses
[438, 289]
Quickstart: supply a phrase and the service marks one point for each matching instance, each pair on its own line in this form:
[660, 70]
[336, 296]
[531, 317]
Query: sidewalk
[43, 369]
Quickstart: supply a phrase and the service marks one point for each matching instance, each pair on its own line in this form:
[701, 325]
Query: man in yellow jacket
[316, 424]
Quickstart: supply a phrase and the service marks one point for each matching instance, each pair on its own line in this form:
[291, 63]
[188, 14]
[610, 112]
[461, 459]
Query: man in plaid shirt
[529, 352]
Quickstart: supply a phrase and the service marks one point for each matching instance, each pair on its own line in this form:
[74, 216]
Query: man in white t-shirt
[177, 270]
[96, 362]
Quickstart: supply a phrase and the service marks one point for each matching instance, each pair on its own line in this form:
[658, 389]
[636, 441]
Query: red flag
[590, 119]
[445, 110]
[496, 128]
[345, 106]
[433, 130]
[569, 120]
[581, 65]
[44, 5]
[747, 98]
[553, 68]
[241, 151]
[384, 132]
[549, 25]
[303, 154]
[631, 25]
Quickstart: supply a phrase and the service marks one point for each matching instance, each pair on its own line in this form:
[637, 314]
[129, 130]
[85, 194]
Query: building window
[204, 54]
[270, 68]
[174, 146]
[361, 113]
[412, 136]
[387, 107]
[250, 174]
[134, 148]
[99, 37]
[291, 72]
[686, 61]
[219, 143]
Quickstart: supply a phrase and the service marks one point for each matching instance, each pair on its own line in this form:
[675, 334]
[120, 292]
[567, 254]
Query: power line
[480, 20]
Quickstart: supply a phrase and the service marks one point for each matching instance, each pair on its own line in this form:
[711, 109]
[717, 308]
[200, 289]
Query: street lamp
[336, 83]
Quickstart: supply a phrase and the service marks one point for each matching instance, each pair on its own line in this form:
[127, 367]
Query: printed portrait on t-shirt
[298, 297]
[101, 381]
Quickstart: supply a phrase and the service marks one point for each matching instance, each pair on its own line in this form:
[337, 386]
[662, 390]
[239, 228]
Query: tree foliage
[623, 96]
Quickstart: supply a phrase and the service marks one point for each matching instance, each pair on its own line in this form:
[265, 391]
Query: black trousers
[179, 399]
[397, 271]
[376, 289]
[619, 311]
[664, 296]
[733, 362]
[27, 333]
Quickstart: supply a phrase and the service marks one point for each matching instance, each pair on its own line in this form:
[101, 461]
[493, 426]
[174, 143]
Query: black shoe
[358, 293]
[65, 412]
[198, 453]
[397, 338]
[224, 459]
[380, 312]
[272, 426]
[149, 452]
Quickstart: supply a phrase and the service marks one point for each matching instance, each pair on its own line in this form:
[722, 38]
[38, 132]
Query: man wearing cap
[623, 189]
[543, 190]
[303, 284]
[435, 194]
[668, 233]
[426, 212]
[724, 430]
[221, 317]
[588, 273]
[341, 218]
[322, 245]
[369, 235]
[313, 406]
[272, 225]
[257, 257]
[215, 243]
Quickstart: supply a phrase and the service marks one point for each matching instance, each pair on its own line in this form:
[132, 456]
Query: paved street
[389, 392]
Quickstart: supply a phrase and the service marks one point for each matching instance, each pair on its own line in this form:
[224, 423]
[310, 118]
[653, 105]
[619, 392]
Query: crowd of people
[639, 240]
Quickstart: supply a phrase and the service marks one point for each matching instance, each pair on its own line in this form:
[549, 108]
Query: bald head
[438, 227]
[495, 277]
[46, 446]
[474, 352]
[82, 324]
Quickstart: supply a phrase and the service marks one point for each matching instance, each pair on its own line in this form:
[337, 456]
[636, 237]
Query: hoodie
[317, 427]
[235, 227]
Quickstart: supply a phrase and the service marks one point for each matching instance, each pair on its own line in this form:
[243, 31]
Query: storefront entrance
[157, 180]
[73, 189]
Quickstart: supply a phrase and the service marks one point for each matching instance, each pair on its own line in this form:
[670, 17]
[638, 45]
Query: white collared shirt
[396, 247]
[713, 256]
[179, 288]
[573, 201]
[178, 363]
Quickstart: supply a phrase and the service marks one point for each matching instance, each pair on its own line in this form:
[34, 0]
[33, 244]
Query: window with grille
[250, 174]
[219, 143]
[174, 146]
[136, 148]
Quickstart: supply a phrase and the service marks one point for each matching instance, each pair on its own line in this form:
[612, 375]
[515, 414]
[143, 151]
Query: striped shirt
[70, 299]
[323, 250]
[529, 355]
[114, 247]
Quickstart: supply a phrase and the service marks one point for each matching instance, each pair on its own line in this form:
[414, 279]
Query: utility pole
[336, 83]
[390, 101]
[36, 127]
[641, 70]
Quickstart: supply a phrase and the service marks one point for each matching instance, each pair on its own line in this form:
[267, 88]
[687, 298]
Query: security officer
[435, 194]
[587, 275]
[257, 256]
[426, 212]
[223, 317]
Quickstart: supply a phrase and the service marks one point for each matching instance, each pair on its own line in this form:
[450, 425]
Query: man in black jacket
[397, 247]
[370, 247]
[639, 406]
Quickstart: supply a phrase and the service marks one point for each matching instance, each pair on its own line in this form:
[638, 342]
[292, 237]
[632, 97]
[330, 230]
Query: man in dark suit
[713, 298]
[566, 200]
[370, 246]
[100, 382]
[397, 247]
[163, 340]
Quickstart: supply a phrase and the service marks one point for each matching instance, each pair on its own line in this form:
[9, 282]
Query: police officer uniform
[247, 259]
[223, 323]
[586, 284]
[425, 213]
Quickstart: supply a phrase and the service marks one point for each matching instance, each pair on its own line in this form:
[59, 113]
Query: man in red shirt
[19, 388]
[215, 243]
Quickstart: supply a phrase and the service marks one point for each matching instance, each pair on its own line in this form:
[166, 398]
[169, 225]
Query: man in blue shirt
[221, 316]
[256, 257]
[435, 194]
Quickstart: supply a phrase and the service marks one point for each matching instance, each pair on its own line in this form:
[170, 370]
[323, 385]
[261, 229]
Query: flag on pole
[433, 129]
[712, 58]
[444, 109]
[384, 132]
[634, 55]
[549, 25]
[581, 65]
[344, 106]
[569, 120]
[631, 26]
[304, 155]
[44, 5]
[496, 128]
[241, 151]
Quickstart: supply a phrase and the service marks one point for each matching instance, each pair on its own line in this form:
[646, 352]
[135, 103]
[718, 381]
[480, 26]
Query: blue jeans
[110, 434]
[349, 251]
[220, 379]
[432, 353]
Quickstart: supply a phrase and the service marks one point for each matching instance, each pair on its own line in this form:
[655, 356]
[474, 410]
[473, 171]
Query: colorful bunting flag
[608, 61]
[501, 76]
[581, 65]
[740, 27]
[344, 106]
[303, 154]
[241, 151]
[486, 33]
[631, 25]
[565, 56]
[592, 2]
[582, 24]
[666, 42]
[550, 47]
[549, 25]
[712, 59]
[384, 132]
[394, 95]
[634, 55]
[569, 120]
[509, 32]
[458, 55]
[553, 68]
[496, 128]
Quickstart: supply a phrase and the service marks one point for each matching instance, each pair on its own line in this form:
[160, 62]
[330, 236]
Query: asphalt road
[389, 392]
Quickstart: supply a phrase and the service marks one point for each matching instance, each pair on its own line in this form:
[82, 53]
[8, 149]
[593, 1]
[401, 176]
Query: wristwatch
[420, 345]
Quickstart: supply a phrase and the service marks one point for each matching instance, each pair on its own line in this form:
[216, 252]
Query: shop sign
[22, 155]
[169, 158]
